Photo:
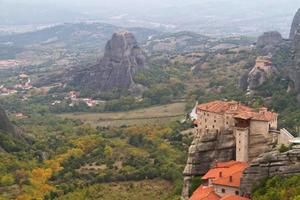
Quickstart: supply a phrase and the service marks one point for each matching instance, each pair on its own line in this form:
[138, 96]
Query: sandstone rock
[295, 25]
[268, 42]
[261, 72]
[122, 58]
[270, 164]
[10, 131]
[8, 128]
[206, 149]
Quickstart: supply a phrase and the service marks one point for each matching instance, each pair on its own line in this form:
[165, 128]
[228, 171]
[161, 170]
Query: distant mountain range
[215, 18]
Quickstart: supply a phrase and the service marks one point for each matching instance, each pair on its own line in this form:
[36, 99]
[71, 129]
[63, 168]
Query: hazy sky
[261, 15]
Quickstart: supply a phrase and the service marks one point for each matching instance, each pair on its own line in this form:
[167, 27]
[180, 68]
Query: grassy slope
[146, 190]
[153, 115]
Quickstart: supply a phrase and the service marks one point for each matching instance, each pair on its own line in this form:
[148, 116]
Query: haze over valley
[161, 99]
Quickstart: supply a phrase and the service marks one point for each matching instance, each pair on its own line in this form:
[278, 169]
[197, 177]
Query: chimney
[263, 110]
[233, 105]
[220, 174]
[230, 179]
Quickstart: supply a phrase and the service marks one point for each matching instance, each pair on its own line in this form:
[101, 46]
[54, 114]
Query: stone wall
[242, 144]
[284, 137]
[210, 121]
[228, 190]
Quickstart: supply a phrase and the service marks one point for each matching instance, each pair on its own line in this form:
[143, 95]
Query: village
[23, 87]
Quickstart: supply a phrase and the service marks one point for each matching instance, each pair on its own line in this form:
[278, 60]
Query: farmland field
[146, 190]
[151, 115]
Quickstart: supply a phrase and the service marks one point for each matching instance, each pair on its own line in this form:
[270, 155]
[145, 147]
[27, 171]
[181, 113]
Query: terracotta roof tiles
[222, 106]
[221, 173]
[240, 111]
[204, 193]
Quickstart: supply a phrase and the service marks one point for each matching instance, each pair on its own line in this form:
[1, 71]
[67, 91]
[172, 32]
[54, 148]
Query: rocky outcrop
[294, 72]
[122, 58]
[258, 77]
[211, 147]
[11, 137]
[270, 164]
[259, 74]
[9, 128]
[206, 149]
[259, 144]
[295, 25]
[269, 42]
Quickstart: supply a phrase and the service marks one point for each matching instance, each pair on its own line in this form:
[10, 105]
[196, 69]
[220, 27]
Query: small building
[222, 182]
[56, 102]
[90, 102]
[263, 63]
[73, 94]
[23, 76]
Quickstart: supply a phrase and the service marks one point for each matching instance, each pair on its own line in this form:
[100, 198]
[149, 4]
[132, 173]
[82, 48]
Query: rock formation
[7, 127]
[294, 72]
[268, 42]
[258, 75]
[122, 58]
[204, 151]
[209, 147]
[295, 25]
[9, 131]
[270, 164]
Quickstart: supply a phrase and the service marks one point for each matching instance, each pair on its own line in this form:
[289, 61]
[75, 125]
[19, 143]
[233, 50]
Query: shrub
[283, 148]
[7, 180]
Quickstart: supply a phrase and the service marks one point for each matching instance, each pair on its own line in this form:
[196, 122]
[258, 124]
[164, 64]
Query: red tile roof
[233, 180]
[222, 106]
[227, 173]
[241, 111]
[233, 197]
[204, 193]
[259, 116]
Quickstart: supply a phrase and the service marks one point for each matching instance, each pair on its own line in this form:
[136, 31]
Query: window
[227, 123]
[213, 126]
[223, 190]
[237, 193]
[215, 121]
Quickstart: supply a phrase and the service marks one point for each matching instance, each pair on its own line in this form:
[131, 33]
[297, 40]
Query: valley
[98, 111]
[152, 115]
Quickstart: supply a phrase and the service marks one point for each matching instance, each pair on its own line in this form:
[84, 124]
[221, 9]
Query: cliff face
[270, 164]
[122, 58]
[205, 149]
[294, 73]
[295, 25]
[8, 127]
[268, 42]
[258, 75]
[208, 148]
[9, 131]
